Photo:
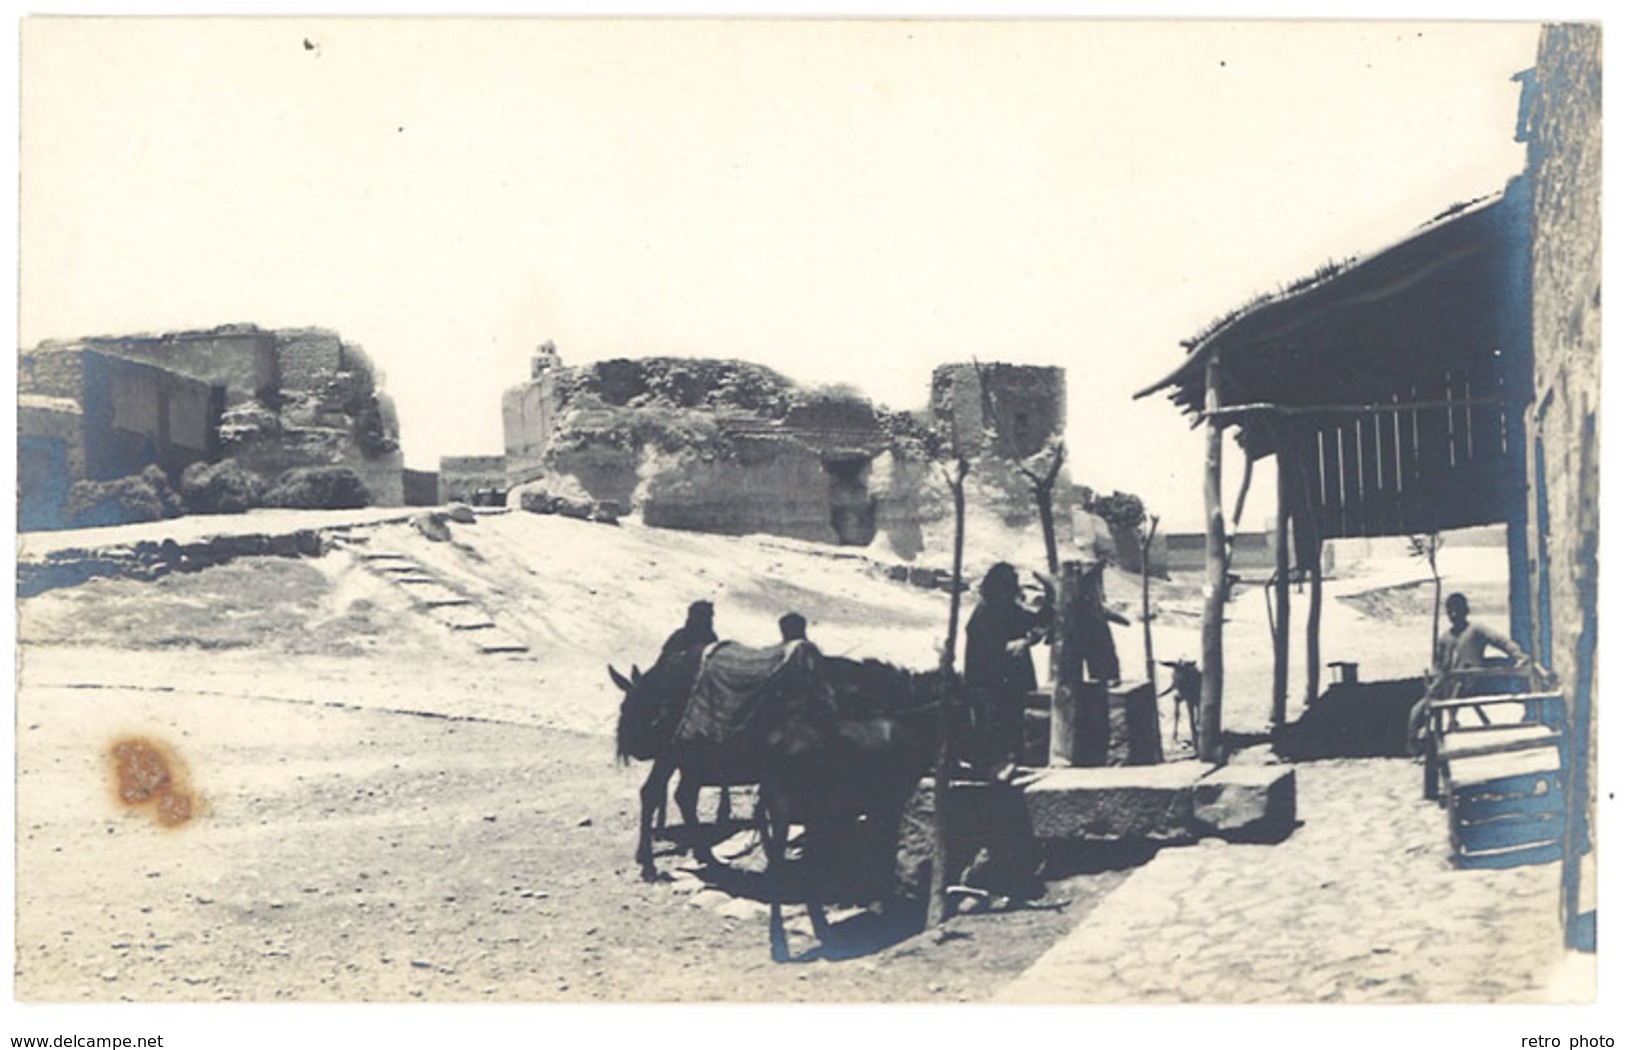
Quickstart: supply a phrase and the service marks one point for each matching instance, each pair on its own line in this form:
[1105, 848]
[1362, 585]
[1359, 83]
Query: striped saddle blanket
[737, 684]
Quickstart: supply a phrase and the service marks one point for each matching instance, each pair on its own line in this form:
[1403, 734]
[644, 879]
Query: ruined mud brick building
[104, 407]
[1009, 410]
[470, 478]
[734, 448]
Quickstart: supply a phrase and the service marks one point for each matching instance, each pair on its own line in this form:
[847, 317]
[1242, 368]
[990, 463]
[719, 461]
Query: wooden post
[937, 907]
[1312, 646]
[1145, 601]
[1211, 719]
[1283, 587]
[1068, 658]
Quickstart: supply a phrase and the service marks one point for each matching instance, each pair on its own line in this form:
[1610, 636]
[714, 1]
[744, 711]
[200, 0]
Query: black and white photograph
[876, 512]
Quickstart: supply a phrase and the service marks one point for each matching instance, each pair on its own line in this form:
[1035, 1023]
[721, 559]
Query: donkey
[663, 720]
[1187, 690]
[838, 747]
[846, 782]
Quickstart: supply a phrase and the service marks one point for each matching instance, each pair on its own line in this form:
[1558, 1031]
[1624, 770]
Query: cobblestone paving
[1360, 904]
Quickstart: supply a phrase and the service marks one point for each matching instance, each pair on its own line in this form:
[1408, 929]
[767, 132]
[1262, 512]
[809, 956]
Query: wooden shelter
[1391, 391]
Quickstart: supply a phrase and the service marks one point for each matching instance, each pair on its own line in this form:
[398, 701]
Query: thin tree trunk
[1044, 495]
[937, 908]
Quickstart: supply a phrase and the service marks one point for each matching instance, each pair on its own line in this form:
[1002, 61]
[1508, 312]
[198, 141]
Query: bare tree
[937, 908]
[1426, 545]
[1044, 495]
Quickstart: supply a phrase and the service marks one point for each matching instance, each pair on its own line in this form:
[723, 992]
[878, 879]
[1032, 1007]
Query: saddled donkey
[710, 728]
[834, 744]
[846, 780]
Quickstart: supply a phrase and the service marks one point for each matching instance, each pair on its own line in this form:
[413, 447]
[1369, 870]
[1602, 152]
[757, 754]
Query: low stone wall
[154, 559]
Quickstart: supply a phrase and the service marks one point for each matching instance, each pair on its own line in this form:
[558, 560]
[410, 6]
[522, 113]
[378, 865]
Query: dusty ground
[381, 813]
[384, 814]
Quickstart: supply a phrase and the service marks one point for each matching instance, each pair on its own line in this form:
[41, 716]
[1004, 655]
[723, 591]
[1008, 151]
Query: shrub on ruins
[146, 496]
[221, 488]
[319, 488]
[1120, 510]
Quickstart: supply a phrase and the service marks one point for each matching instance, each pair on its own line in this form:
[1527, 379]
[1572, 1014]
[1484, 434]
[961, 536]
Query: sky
[848, 202]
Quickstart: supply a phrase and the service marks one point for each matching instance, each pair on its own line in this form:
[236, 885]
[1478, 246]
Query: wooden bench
[1502, 779]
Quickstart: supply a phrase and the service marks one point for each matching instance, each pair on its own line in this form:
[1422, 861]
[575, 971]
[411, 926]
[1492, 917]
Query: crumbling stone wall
[52, 370]
[731, 447]
[774, 486]
[176, 398]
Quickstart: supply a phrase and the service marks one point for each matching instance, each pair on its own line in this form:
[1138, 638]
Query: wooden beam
[1210, 718]
[1231, 411]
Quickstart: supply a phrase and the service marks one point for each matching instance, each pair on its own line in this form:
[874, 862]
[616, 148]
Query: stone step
[495, 641]
[463, 617]
[432, 593]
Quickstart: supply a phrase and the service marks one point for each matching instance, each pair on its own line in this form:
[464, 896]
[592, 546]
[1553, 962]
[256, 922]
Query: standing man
[999, 637]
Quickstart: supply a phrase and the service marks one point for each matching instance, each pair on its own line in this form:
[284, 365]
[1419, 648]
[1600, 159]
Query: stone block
[1136, 736]
[581, 510]
[433, 527]
[1115, 802]
[920, 576]
[1035, 735]
[1246, 803]
[989, 820]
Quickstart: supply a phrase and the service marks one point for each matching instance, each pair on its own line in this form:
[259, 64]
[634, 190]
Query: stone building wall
[307, 358]
[773, 486]
[527, 426]
[1000, 409]
[52, 370]
[50, 454]
[1562, 122]
[241, 358]
[136, 414]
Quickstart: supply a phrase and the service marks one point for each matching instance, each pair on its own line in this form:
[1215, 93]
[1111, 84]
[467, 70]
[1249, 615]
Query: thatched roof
[1404, 323]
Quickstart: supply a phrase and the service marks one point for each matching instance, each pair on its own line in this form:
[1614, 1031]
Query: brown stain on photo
[148, 773]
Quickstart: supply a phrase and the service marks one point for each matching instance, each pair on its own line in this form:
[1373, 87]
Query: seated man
[698, 629]
[1461, 648]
